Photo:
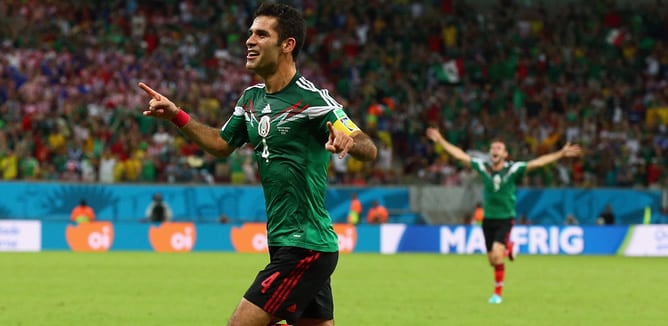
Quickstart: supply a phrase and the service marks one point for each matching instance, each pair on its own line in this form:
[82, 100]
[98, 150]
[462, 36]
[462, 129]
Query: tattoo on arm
[363, 148]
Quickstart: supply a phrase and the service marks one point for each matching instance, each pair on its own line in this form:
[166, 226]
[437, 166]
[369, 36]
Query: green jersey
[288, 131]
[499, 187]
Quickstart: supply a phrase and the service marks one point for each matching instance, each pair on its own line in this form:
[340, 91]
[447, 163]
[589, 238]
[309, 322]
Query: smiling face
[263, 45]
[497, 152]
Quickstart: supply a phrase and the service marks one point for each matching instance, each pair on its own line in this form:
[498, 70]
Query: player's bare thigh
[497, 255]
[314, 322]
[248, 314]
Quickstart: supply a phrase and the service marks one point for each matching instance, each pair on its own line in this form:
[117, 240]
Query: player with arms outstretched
[499, 179]
[294, 127]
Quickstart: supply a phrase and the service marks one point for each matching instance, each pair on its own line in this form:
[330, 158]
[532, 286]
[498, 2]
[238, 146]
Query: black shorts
[295, 284]
[496, 230]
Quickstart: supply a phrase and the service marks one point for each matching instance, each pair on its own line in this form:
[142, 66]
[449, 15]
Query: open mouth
[252, 54]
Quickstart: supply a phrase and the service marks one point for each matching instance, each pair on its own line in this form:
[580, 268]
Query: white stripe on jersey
[317, 111]
[481, 165]
[514, 167]
[260, 85]
[305, 84]
[225, 125]
[285, 119]
[310, 86]
[310, 112]
[324, 94]
[238, 110]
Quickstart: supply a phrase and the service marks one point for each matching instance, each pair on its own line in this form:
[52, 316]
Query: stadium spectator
[158, 210]
[377, 214]
[339, 168]
[478, 215]
[607, 217]
[355, 210]
[537, 76]
[571, 220]
[523, 220]
[82, 213]
[107, 167]
[223, 219]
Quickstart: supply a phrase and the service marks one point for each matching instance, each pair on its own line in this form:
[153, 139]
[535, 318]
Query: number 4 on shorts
[267, 281]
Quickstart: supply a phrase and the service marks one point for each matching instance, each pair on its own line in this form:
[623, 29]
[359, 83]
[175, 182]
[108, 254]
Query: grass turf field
[127, 288]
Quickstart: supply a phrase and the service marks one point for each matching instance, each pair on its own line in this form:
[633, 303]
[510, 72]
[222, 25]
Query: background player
[293, 126]
[499, 179]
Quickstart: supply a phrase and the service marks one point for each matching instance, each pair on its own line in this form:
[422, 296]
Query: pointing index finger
[330, 127]
[150, 91]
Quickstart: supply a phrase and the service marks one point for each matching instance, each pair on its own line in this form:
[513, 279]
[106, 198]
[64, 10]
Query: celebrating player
[499, 180]
[293, 126]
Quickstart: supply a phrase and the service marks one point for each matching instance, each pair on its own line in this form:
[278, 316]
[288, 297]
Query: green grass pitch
[132, 288]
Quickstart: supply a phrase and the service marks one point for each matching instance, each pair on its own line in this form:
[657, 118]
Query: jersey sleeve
[323, 108]
[340, 121]
[234, 131]
[517, 170]
[478, 165]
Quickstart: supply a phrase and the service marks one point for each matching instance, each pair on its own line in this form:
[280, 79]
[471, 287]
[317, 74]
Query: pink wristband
[181, 118]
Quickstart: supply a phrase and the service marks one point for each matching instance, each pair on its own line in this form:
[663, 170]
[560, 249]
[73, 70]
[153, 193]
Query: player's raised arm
[358, 144]
[456, 152]
[205, 137]
[567, 151]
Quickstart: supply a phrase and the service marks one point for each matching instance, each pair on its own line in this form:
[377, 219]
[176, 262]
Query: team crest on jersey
[496, 180]
[267, 109]
[264, 126]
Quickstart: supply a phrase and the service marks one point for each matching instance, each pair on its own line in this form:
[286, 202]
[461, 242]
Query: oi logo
[90, 237]
[173, 237]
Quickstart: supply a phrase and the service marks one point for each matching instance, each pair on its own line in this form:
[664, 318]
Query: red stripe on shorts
[288, 284]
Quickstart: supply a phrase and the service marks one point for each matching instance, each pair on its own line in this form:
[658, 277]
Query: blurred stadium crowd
[535, 77]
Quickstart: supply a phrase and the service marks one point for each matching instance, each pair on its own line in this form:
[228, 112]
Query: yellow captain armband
[343, 123]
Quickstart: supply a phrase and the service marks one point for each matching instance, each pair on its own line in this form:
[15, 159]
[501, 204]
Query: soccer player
[294, 126]
[499, 180]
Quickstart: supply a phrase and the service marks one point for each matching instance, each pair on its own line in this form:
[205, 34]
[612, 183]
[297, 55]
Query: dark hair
[290, 23]
[497, 140]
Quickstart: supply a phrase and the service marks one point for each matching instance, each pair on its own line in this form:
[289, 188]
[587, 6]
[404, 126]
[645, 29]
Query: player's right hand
[433, 134]
[338, 141]
[571, 150]
[159, 106]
